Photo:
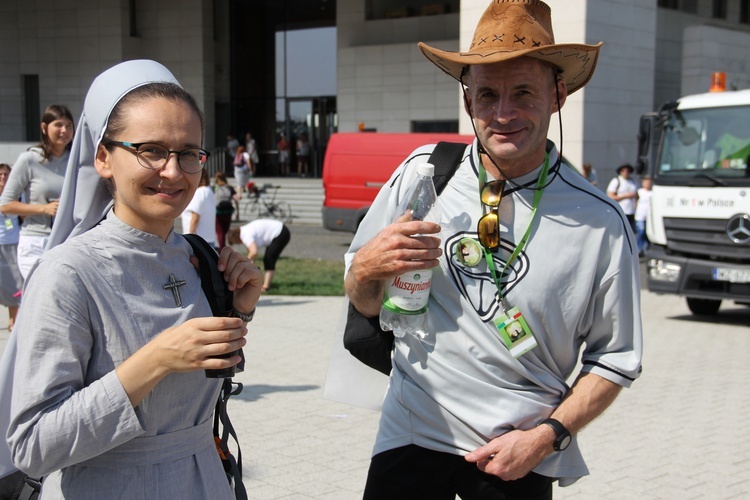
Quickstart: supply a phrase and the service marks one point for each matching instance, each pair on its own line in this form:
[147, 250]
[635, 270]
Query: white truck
[697, 151]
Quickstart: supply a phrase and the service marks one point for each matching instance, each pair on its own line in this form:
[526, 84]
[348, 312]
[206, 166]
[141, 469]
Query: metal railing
[216, 161]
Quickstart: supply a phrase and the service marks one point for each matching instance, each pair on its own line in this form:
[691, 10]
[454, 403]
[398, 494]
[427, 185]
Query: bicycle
[263, 204]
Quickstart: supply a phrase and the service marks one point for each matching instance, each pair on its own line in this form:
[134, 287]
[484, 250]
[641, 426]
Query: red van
[357, 164]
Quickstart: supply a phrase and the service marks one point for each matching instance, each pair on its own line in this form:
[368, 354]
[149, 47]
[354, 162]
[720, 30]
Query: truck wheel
[703, 307]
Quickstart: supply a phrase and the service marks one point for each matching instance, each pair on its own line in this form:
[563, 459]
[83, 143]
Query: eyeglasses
[155, 156]
[488, 226]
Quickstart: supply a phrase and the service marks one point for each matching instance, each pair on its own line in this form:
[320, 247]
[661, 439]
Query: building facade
[225, 52]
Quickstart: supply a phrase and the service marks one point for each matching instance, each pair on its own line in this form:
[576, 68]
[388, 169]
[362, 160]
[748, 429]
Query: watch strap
[561, 433]
[247, 318]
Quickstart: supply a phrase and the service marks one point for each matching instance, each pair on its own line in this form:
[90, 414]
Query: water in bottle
[404, 308]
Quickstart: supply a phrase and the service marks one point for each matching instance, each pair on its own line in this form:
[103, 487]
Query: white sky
[311, 59]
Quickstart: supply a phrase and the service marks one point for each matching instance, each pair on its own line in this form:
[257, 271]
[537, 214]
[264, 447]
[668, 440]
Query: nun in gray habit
[94, 299]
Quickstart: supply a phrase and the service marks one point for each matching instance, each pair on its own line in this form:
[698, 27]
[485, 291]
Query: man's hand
[514, 454]
[394, 251]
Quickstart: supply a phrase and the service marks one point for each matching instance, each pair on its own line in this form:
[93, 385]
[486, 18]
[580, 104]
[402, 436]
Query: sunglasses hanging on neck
[488, 227]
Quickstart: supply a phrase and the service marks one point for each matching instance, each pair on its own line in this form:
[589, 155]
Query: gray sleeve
[614, 343]
[59, 416]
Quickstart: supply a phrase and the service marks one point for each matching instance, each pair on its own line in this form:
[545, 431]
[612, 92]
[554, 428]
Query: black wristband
[562, 435]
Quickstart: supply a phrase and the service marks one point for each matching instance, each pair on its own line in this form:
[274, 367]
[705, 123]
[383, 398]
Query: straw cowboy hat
[514, 28]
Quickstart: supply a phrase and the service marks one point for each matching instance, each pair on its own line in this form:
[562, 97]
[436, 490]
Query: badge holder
[515, 333]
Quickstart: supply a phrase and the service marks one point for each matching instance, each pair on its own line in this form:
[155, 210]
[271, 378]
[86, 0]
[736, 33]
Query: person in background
[303, 155]
[199, 216]
[226, 203]
[252, 151]
[10, 277]
[283, 147]
[269, 233]
[623, 190]
[465, 413]
[590, 174]
[109, 395]
[641, 215]
[38, 176]
[241, 164]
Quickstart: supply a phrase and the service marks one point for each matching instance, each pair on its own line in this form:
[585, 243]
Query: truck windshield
[711, 142]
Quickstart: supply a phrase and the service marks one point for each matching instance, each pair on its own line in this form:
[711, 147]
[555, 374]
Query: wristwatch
[563, 438]
[247, 318]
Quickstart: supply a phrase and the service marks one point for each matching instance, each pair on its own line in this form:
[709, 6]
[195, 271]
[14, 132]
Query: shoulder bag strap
[446, 157]
[220, 299]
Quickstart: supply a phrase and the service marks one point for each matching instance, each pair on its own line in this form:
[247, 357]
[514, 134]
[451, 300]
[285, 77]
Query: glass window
[719, 9]
[450, 126]
[31, 107]
[745, 11]
[391, 9]
[669, 4]
[714, 141]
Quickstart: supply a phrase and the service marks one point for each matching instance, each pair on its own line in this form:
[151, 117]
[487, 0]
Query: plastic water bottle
[404, 308]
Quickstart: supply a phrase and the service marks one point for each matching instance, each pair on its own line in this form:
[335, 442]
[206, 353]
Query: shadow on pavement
[256, 392]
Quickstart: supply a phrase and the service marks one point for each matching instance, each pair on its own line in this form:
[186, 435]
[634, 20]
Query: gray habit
[93, 302]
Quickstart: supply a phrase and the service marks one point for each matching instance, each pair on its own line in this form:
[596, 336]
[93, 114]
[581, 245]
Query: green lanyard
[540, 182]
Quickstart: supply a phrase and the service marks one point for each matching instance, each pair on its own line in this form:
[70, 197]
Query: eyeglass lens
[155, 156]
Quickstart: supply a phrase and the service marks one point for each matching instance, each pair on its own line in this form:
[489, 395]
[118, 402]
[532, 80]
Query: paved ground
[679, 433]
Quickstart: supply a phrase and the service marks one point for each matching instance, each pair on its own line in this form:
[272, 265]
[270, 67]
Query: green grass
[306, 277]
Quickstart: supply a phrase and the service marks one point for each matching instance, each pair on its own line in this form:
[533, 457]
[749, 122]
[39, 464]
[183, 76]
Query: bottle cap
[426, 169]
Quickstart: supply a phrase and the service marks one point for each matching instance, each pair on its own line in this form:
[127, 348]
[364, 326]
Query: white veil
[84, 200]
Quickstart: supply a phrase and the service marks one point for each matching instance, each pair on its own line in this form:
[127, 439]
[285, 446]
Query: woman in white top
[109, 396]
[200, 215]
[38, 175]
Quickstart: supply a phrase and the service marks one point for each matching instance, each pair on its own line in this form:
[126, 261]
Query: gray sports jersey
[576, 283]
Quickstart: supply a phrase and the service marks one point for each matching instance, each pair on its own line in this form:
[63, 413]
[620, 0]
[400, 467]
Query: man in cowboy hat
[470, 411]
[623, 190]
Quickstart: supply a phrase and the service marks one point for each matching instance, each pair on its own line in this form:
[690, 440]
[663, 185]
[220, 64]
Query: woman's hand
[51, 208]
[190, 346]
[243, 278]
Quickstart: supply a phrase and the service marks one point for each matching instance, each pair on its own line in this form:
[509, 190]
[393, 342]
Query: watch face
[564, 442]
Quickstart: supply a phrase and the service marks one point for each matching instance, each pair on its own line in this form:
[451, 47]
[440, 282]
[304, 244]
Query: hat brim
[575, 61]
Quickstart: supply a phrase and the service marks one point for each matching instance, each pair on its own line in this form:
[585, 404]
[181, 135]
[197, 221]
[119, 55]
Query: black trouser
[273, 251]
[414, 473]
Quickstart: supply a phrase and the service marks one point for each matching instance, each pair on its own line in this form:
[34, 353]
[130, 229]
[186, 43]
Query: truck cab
[697, 151]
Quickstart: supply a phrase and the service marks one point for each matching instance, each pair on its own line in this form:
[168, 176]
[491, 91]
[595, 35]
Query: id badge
[515, 333]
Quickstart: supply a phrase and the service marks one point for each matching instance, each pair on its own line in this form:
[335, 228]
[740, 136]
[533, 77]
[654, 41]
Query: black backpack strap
[220, 298]
[232, 467]
[212, 281]
[446, 157]
[31, 488]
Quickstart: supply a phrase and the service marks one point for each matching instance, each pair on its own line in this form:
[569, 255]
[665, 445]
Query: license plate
[732, 275]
